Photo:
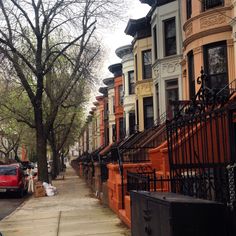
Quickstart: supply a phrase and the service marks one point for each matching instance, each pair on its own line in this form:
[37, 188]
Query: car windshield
[7, 170]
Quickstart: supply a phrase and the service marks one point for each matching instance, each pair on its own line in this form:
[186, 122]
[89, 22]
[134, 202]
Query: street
[8, 203]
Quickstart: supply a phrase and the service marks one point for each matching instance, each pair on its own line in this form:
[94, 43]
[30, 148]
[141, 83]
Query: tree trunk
[55, 169]
[41, 146]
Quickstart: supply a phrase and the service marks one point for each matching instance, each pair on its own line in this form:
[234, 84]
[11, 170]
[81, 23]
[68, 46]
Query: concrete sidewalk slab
[72, 212]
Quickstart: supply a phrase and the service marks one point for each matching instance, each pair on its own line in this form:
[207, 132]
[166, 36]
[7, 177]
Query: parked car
[13, 179]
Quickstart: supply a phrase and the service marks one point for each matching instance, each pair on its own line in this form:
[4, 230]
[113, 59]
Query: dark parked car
[13, 179]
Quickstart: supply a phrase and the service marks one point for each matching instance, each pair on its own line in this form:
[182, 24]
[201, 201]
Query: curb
[17, 209]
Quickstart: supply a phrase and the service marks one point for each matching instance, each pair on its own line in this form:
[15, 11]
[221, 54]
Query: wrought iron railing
[104, 172]
[205, 99]
[141, 181]
[147, 181]
[226, 92]
[138, 150]
[201, 144]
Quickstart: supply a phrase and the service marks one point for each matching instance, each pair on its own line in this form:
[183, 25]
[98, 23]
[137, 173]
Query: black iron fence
[104, 171]
[141, 181]
[202, 144]
[147, 181]
[199, 152]
[137, 150]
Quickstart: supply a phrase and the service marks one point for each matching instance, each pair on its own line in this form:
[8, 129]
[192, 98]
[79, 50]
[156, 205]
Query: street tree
[13, 105]
[10, 137]
[37, 34]
[63, 134]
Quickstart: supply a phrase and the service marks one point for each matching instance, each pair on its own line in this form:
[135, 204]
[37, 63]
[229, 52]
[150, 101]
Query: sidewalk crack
[58, 225]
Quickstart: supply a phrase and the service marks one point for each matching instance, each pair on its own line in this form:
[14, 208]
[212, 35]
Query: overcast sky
[116, 37]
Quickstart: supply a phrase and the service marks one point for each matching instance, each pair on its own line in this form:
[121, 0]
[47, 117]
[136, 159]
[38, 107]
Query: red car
[13, 179]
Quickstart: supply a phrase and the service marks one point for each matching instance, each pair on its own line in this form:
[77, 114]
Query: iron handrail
[228, 86]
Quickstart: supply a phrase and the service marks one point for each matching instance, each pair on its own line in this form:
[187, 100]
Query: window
[208, 4]
[113, 104]
[170, 37]
[215, 64]
[191, 76]
[113, 133]
[137, 115]
[106, 111]
[131, 123]
[131, 82]
[120, 94]
[157, 100]
[147, 64]
[7, 170]
[172, 94]
[154, 31]
[148, 112]
[121, 130]
[189, 8]
[106, 135]
[136, 67]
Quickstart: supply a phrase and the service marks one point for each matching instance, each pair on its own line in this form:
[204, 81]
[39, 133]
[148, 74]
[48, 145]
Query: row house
[208, 44]
[166, 56]
[109, 82]
[91, 145]
[116, 70]
[125, 53]
[97, 132]
[100, 120]
[140, 30]
[170, 105]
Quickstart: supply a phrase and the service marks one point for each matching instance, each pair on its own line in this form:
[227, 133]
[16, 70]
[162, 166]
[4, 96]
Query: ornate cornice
[124, 50]
[116, 69]
[143, 81]
[205, 33]
[205, 14]
[212, 20]
[109, 82]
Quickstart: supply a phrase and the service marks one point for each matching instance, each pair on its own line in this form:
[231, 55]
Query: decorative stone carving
[212, 20]
[143, 89]
[156, 72]
[170, 67]
[189, 30]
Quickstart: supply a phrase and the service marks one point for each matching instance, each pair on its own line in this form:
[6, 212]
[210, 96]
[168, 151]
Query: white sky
[116, 37]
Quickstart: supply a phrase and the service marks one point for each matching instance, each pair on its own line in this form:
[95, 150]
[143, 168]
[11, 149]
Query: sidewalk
[72, 212]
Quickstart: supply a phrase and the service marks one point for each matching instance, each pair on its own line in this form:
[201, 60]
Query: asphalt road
[8, 203]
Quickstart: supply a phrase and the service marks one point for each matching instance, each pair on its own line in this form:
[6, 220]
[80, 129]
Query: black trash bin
[170, 214]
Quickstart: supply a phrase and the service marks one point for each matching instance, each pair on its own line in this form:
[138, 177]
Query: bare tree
[59, 139]
[37, 34]
[11, 136]
[9, 144]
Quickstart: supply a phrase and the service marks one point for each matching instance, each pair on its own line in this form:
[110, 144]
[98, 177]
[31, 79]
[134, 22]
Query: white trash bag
[50, 190]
